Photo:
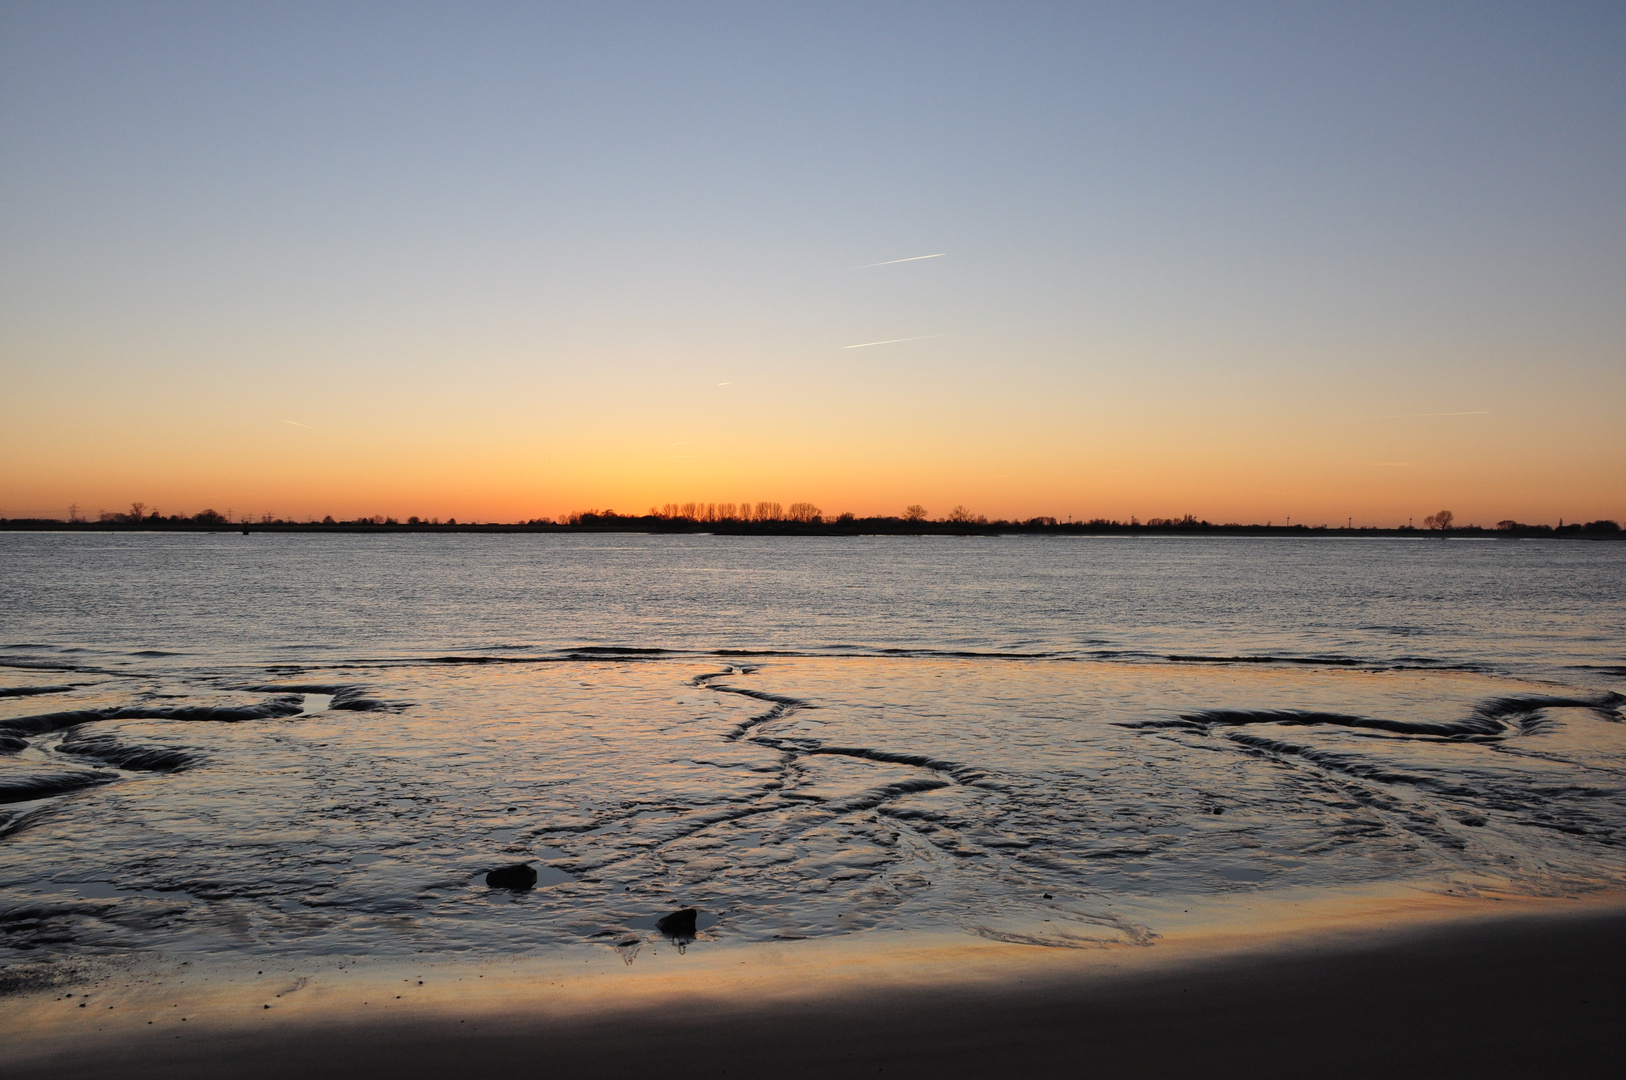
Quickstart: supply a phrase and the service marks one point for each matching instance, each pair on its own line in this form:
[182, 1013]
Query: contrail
[894, 341]
[1417, 415]
[296, 423]
[893, 262]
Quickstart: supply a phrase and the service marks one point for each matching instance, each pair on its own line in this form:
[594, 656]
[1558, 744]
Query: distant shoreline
[854, 527]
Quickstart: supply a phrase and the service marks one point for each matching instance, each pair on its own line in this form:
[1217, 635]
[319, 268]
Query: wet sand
[1535, 992]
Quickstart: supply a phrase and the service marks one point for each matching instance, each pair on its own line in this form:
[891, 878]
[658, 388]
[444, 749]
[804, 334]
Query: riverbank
[1419, 989]
[846, 526]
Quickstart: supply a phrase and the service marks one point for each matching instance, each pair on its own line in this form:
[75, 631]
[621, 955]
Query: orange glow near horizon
[1064, 452]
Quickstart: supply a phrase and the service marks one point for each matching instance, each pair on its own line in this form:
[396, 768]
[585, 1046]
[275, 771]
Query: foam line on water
[344, 695]
[31, 691]
[108, 750]
[1490, 719]
[45, 785]
[39, 724]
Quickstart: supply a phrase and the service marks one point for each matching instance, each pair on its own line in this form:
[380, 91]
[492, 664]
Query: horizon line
[812, 517]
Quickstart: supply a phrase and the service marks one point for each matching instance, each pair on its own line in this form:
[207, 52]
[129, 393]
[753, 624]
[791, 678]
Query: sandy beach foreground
[1530, 992]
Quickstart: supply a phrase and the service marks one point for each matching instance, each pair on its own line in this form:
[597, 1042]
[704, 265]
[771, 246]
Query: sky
[1322, 261]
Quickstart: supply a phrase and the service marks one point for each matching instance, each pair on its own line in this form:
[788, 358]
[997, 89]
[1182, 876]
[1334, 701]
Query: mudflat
[1532, 993]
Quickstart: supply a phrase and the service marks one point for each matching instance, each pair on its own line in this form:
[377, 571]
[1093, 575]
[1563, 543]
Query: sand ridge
[1407, 985]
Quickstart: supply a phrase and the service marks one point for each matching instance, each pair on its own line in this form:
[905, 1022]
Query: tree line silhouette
[766, 517]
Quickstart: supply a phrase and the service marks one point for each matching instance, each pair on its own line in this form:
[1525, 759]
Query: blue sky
[538, 257]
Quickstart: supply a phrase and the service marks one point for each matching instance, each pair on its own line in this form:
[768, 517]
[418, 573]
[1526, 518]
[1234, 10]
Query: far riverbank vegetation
[797, 519]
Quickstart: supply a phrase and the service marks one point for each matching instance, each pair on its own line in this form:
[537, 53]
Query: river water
[215, 744]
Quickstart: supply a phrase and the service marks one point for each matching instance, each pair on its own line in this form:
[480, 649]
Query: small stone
[516, 878]
[680, 925]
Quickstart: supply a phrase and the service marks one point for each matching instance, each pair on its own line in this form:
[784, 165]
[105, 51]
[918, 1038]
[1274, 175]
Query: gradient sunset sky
[505, 261]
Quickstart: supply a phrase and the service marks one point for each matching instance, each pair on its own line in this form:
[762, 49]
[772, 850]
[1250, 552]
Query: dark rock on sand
[10, 744]
[516, 878]
[680, 925]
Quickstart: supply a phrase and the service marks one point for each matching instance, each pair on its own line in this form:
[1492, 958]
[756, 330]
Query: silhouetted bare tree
[1441, 521]
[914, 512]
